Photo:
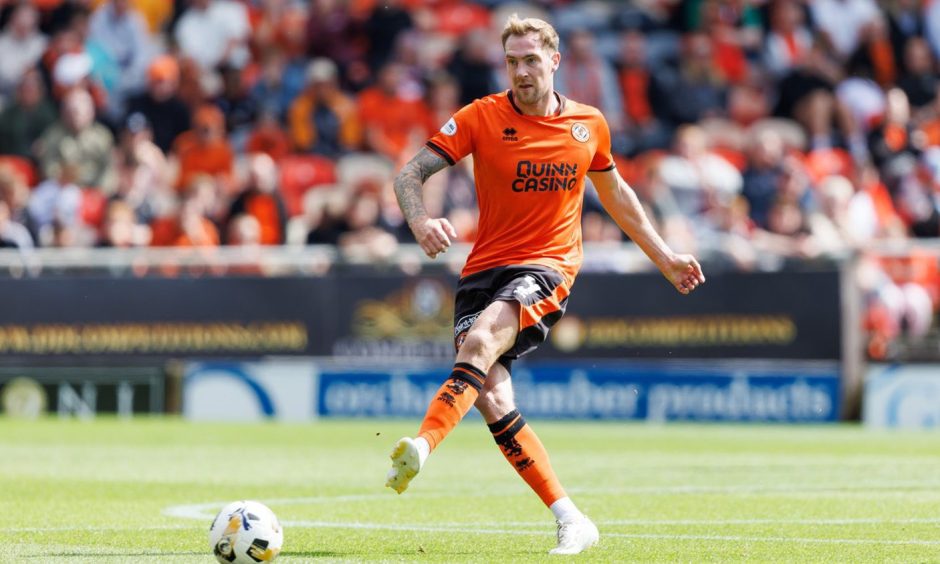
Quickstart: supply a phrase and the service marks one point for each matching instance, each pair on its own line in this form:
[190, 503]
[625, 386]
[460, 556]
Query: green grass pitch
[145, 491]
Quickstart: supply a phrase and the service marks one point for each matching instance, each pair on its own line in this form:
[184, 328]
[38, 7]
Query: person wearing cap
[75, 139]
[323, 119]
[167, 114]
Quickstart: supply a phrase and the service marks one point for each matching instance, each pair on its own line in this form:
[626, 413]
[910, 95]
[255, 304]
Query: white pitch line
[734, 538]
[872, 488]
[94, 529]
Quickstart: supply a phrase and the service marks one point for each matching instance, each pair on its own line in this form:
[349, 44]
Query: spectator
[645, 103]
[763, 175]
[214, 32]
[696, 175]
[160, 104]
[15, 192]
[268, 136]
[590, 79]
[383, 27]
[261, 200]
[473, 67]
[919, 79]
[122, 228]
[12, 234]
[21, 46]
[144, 181]
[55, 205]
[282, 80]
[895, 136]
[75, 139]
[394, 123]
[24, 120]
[843, 24]
[805, 94]
[789, 40]
[204, 149]
[121, 31]
[323, 119]
[196, 229]
[932, 30]
[238, 106]
[905, 22]
[333, 33]
[699, 90]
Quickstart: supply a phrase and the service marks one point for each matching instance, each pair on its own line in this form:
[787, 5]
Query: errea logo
[509, 134]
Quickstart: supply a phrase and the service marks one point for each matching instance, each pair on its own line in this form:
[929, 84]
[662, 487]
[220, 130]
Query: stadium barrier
[744, 391]
[902, 396]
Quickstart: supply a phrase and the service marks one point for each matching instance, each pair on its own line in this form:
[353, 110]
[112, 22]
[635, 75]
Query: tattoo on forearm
[412, 177]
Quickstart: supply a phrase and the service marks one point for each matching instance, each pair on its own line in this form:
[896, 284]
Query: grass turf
[145, 491]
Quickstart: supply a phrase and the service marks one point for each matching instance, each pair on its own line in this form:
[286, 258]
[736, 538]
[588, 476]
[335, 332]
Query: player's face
[531, 69]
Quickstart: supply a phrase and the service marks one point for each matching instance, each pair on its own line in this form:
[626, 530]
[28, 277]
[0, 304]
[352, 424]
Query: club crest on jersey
[449, 128]
[580, 132]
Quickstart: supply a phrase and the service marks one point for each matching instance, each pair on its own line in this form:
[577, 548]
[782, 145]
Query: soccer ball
[245, 532]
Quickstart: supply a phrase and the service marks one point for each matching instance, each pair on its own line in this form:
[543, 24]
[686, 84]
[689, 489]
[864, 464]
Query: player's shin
[451, 402]
[523, 449]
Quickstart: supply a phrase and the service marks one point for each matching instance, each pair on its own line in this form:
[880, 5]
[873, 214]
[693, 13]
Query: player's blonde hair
[544, 30]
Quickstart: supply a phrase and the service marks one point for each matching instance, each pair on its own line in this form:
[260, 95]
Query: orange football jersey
[529, 173]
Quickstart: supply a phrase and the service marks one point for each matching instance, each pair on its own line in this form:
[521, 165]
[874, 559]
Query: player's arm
[621, 202]
[434, 235]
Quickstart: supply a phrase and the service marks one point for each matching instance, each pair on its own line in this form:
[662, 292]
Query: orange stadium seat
[299, 173]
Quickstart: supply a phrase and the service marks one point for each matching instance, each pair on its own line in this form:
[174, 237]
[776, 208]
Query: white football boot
[406, 463]
[575, 537]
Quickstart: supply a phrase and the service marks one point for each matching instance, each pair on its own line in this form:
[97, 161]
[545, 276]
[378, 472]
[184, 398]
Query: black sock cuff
[504, 422]
[470, 374]
[510, 431]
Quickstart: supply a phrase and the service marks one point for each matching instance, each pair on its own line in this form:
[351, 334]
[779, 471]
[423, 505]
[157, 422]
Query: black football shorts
[541, 292]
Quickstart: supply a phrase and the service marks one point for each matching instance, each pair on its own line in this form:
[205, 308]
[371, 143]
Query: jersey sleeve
[454, 140]
[603, 159]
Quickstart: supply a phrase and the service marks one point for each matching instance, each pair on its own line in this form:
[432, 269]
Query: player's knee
[493, 405]
[480, 344]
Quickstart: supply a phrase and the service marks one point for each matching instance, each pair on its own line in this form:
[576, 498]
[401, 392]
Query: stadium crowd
[756, 132]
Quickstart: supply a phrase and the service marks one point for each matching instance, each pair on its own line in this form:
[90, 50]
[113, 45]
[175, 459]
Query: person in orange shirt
[204, 149]
[393, 121]
[532, 149]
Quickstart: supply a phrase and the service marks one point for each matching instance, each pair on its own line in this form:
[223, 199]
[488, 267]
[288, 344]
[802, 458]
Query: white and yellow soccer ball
[245, 532]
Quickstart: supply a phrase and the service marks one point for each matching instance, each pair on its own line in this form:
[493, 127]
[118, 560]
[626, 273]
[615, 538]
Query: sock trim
[499, 426]
[510, 431]
[469, 374]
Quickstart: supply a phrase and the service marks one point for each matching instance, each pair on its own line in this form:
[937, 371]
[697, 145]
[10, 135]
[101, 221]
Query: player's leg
[525, 452]
[491, 335]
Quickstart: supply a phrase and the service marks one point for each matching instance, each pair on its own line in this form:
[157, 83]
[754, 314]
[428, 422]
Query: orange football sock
[523, 449]
[451, 402]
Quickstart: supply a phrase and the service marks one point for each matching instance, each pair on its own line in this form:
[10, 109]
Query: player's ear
[556, 59]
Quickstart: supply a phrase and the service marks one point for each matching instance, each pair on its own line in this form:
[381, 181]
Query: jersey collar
[561, 104]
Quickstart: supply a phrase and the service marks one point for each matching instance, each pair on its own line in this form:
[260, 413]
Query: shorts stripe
[530, 315]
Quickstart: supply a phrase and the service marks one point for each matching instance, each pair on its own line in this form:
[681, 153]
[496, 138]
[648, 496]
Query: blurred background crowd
[758, 133]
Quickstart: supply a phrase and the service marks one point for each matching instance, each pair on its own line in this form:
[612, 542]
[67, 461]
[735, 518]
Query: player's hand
[684, 272]
[434, 235]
